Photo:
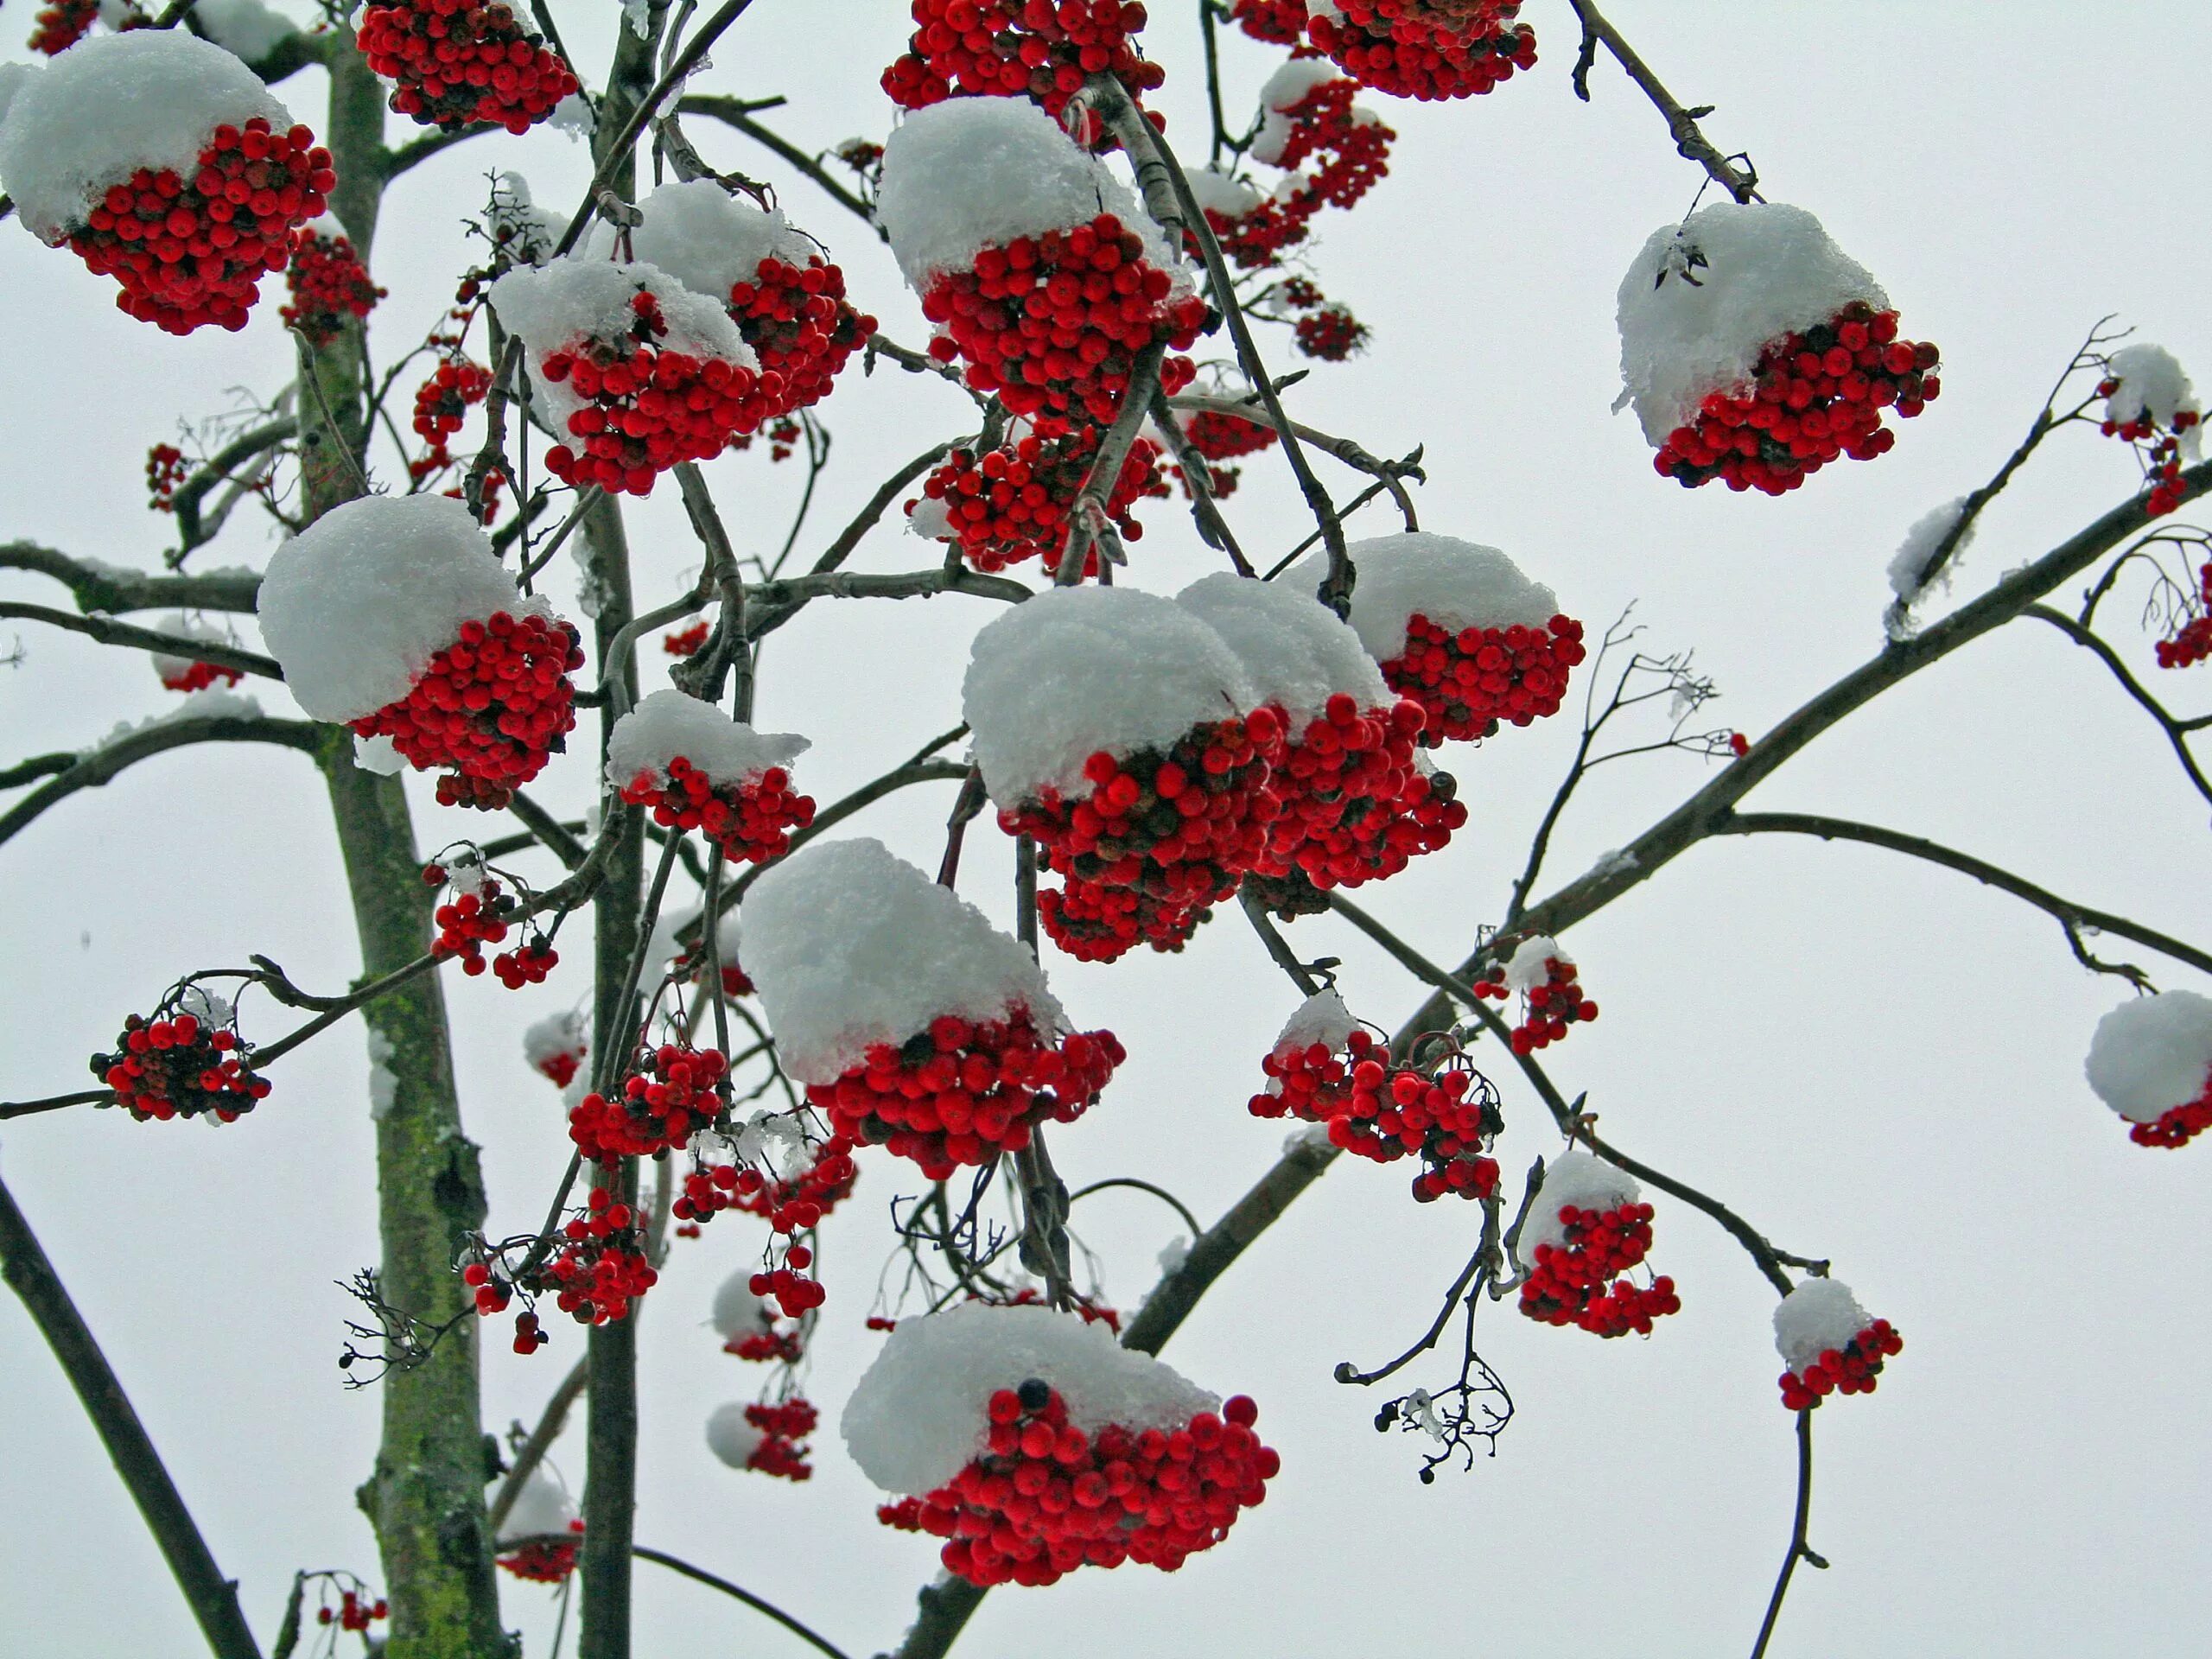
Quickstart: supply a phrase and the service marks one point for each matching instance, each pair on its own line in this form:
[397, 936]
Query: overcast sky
[1873, 1060]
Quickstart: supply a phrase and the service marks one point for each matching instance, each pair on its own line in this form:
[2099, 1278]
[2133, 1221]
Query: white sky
[1872, 1059]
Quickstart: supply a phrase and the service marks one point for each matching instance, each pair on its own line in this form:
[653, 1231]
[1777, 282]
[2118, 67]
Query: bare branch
[99, 625]
[1799, 1549]
[96, 767]
[820, 1643]
[97, 587]
[2177, 730]
[1690, 141]
[738, 113]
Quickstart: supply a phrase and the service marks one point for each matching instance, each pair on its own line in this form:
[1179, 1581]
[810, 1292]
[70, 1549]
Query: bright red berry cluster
[1312, 1083]
[601, 1268]
[180, 1066]
[1095, 922]
[1467, 680]
[2177, 1125]
[1550, 1007]
[1447, 1120]
[794, 1292]
[798, 323]
[1355, 150]
[1853, 1368]
[1037, 49]
[61, 25]
[190, 251]
[543, 1560]
[196, 675]
[1354, 807]
[686, 642]
[784, 1429]
[493, 706]
[2160, 449]
[354, 1612]
[165, 470]
[1426, 48]
[1053, 323]
[766, 1345]
[963, 1091]
[1216, 438]
[455, 62]
[647, 409]
[790, 1206]
[473, 919]
[2191, 641]
[751, 822]
[662, 1106]
[328, 283]
[1567, 1282]
[1817, 396]
[1046, 1498]
[1330, 333]
[1011, 503]
[442, 404]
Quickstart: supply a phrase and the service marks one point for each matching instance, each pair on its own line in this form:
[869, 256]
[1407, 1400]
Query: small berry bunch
[1829, 1343]
[1426, 48]
[2191, 643]
[1095, 922]
[2178, 1125]
[1467, 680]
[963, 1091]
[186, 673]
[2158, 446]
[1355, 807]
[1053, 323]
[1815, 396]
[795, 1205]
[1046, 1497]
[783, 1429]
[1550, 1004]
[1312, 1081]
[1256, 236]
[1330, 333]
[189, 251]
[787, 1281]
[645, 409]
[61, 23]
[1587, 1227]
[475, 917]
[442, 404]
[686, 642]
[165, 470]
[493, 706]
[328, 282]
[673, 1094]
[1218, 438]
[1279, 23]
[356, 1611]
[182, 1064]
[750, 821]
[545, 1560]
[602, 1268]
[1447, 1119]
[1852, 1368]
[1037, 49]
[556, 1047]
[456, 62]
[783, 436]
[1355, 146]
[799, 323]
[1011, 503]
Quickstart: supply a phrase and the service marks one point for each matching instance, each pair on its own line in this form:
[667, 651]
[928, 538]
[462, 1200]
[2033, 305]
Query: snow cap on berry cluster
[1579, 1179]
[921, 1411]
[112, 104]
[355, 606]
[972, 172]
[1454, 584]
[2152, 384]
[736, 1310]
[2151, 1054]
[556, 1035]
[1321, 1018]
[1705, 297]
[245, 28]
[179, 626]
[730, 1436]
[850, 946]
[1525, 969]
[670, 724]
[1218, 193]
[1820, 1315]
[555, 306]
[1076, 671]
[540, 1510]
[1285, 89]
[706, 238]
[1296, 650]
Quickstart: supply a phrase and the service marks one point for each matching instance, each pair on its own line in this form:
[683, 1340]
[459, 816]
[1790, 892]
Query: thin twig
[1799, 1549]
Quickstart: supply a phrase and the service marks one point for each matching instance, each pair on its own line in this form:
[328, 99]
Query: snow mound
[541, 1508]
[556, 1035]
[2152, 383]
[851, 945]
[669, 724]
[1577, 1179]
[246, 29]
[180, 625]
[920, 1412]
[354, 607]
[527, 232]
[379, 756]
[1454, 584]
[706, 238]
[729, 1436]
[737, 1310]
[112, 104]
[1218, 193]
[2151, 1054]
[1287, 88]
[1820, 1314]
[1909, 569]
[1735, 278]
[1296, 650]
[1075, 671]
[1322, 1018]
[977, 172]
[1525, 969]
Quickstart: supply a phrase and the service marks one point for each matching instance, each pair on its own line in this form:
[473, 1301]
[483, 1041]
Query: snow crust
[1454, 584]
[851, 945]
[1768, 269]
[976, 172]
[737, 1310]
[1296, 651]
[541, 1508]
[355, 606]
[706, 238]
[1525, 971]
[729, 1436]
[669, 724]
[1819, 1315]
[383, 1083]
[1218, 193]
[1078, 669]
[245, 28]
[1909, 569]
[209, 702]
[182, 626]
[1322, 1018]
[112, 104]
[379, 756]
[1574, 1178]
[2152, 383]
[920, 1413]
[2151, 1054]
[556, 1033]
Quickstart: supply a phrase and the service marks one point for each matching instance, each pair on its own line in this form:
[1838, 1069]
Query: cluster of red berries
[603, 1268]
[1355, 808]
[1279, 23]
[493, 706]
[1046, 1498]
[192, 675]
[662, 1105]
[2192, 641]
[1358, 151]
[799, 321]
[1567, 1282]
[1426, 48]
[794, 1292]
[1180, 828]
[442, 404]
[1011, 503]
[1038, 49]
[1817, 395]
[794, 1206]
[647, 409]
[190, 251]
[181, 1066]
[1447, 1120]
[964, 1091]
[1467, 680]
[165, 470]
[1216, 438]
[767, 1346]
[1853, 1368]
[328, 283]
[782, 438]
[1256, 236]
[1312, 1082]
[2161, 451]
[61, 25]
[784, 1429]
[470, 920]
[354, 1612]
[1551, 1007]
[1053, 323]
[456, 62]
[545, 1560]
[2178, 1125]
[1096, 922]
[686, 642]
[560, 1067]
[751, 822]
[1330, 333]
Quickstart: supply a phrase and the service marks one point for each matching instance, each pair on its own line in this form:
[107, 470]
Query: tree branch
[819, 1643]
[736, 112]
[1799, 1549]
[2177, 731]
[97, 587]
[99, 625]
[1690, 141]
[102, 765]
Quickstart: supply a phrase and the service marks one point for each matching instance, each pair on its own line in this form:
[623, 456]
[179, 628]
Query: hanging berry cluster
[545, 1560]
[2190, 642]
[61, 25]
[1329, 334]
[456, 62]
[1279, 23]
[1548, 1008]
[782, 1451]
[2157, 448]
[662, 1105]
[1853, 1368]
[685, 642]
[493, 706]
[190, 674]
[1354, 806]
[475, 917]
[356, 1611]
[783, 437]
[798, 323]
[165, 470]
[1216, 438]
[1046, 1498]
[750, 821]
[1011, 503]
[328, 283]
[442, 404]
[192, 252]
[601, 1268]
[1320, 122]
[963, 1091]
[1815, 397]
[1093, 921]
[1567, 1282]
[1038, 49]
[180, 1064]
[1426, 48]
[1467, 680]
[1447, 1120]
[788, 1207]
[2178, 1125]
